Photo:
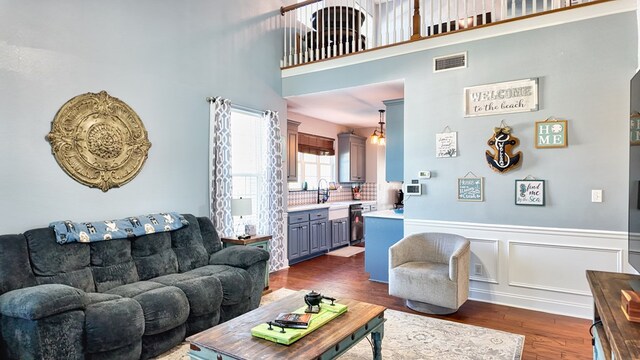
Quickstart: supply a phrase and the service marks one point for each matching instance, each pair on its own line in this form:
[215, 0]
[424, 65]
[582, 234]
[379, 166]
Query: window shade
[314, 144]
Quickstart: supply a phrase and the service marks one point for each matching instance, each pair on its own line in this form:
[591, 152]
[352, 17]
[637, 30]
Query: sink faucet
[323, 194]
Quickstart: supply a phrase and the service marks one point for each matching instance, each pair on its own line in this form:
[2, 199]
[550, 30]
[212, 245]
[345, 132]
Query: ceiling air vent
[450, 62]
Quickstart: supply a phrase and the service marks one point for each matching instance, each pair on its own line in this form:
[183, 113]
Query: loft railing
[323, 29]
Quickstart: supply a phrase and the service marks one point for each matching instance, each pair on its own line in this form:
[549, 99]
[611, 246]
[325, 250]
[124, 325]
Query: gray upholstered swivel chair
[430, 271]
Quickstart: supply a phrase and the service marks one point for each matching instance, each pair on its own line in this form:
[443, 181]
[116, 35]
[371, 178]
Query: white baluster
[484, 13]
[353, 26]
[335, 31]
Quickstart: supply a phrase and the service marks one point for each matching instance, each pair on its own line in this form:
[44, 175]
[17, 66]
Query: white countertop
[327, 205]
[387, 214]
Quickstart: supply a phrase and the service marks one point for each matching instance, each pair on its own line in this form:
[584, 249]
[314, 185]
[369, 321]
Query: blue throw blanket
[68, 231]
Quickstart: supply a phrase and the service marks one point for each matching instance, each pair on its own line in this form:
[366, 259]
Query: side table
[260, 241]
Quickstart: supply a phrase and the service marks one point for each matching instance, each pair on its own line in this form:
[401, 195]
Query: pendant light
[376, 138]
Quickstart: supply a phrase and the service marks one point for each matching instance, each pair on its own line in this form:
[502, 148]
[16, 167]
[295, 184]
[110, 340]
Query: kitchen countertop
[327, 205]
[387, 214]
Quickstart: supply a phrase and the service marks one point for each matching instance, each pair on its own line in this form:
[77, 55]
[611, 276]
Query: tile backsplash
[343, 193]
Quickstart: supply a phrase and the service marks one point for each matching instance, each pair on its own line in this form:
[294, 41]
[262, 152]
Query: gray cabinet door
[292, 151]
[339, 232]
[319, 239]
[298, 240]
[395, 140]
[351, 158]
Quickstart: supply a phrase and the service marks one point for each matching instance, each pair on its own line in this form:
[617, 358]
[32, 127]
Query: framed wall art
[551, 134]
[501, 98]
[470, 188]
[447, 143]
[530, 192]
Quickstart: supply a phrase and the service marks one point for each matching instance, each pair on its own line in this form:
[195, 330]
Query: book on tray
[292, 320]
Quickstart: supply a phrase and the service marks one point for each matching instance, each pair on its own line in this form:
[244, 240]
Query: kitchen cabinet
[351, 158]
[339, 232]
[308, 234]
[292, 150]
[394, 150]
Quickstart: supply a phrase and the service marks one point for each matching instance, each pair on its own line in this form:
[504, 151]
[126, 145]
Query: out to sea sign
[501, 98]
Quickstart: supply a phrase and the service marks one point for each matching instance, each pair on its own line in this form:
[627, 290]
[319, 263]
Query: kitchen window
[312, 168]
[247, 143]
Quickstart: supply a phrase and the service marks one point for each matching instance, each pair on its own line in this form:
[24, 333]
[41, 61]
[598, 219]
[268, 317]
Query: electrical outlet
[478, 269]
[596, 196]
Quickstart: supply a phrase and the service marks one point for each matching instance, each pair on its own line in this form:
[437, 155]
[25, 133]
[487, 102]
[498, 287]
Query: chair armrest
[401, 252]
[239, 256]
[37, 302]
[459, 258]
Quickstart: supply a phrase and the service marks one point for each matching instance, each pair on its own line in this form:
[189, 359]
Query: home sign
[501, 98]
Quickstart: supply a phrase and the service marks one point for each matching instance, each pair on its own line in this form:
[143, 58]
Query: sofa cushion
[60, 264]
[210, 237]
[154, 256]
[94, 298]
[37, 302]
[188, 247]
[112, 324]
[203, 292]
[164, 307]
[236, 282]
[112, 264]
[15, 271]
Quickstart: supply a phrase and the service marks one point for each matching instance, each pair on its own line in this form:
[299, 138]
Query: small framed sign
[551, 134]
[447, 144]
[471, 189]
[530, 192]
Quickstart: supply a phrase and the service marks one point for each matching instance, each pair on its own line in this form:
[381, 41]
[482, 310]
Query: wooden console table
[259, 241]
[615, 336]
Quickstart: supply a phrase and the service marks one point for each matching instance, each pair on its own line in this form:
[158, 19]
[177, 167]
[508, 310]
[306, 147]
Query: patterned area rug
[415, 337]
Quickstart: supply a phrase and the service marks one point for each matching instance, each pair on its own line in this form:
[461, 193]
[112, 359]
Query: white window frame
[237, 113]
[302, 175]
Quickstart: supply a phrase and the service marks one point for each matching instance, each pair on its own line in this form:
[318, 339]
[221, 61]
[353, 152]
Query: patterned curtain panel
[270, 205]
[220, 166]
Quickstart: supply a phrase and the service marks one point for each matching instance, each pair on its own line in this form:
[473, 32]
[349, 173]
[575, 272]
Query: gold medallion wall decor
[99, 140]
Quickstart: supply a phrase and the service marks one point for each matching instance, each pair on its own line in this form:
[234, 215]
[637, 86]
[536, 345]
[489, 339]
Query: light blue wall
[584, 70]
[161, 57]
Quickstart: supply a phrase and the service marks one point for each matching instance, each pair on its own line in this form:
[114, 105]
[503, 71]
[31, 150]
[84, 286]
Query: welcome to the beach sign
[501, 98]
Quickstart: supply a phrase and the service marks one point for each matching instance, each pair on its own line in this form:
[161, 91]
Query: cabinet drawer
[318, 214]
[298, 217]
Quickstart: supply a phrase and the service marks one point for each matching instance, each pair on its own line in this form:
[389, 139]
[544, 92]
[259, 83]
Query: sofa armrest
[239, 256]
[37, 302]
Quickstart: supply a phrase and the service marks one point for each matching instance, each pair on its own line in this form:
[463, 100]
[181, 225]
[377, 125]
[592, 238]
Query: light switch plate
[424, 174]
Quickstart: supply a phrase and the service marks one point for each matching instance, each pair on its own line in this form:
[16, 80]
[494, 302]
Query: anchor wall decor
[503, 142]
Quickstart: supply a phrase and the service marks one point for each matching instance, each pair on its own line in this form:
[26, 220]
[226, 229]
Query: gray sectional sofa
[120, 299]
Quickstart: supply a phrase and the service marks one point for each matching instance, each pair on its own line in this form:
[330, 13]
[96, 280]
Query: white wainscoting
[537, 268]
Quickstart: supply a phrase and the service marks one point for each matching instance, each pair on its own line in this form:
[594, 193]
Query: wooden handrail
[285, 9]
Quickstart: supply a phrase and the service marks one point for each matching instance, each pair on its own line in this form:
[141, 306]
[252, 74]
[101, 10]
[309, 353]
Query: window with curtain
[247, 146]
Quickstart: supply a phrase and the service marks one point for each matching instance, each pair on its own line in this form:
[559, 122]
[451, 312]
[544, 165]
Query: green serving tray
[326, 314]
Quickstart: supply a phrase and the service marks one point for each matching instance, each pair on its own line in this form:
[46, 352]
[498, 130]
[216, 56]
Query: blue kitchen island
[381, 230]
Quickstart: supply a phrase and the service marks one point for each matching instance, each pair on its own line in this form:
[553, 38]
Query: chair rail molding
[538, 268]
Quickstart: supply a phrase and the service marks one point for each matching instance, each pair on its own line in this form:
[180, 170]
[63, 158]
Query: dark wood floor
[547, 336]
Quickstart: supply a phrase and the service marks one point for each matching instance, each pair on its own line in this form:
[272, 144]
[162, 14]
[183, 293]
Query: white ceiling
[355, 107]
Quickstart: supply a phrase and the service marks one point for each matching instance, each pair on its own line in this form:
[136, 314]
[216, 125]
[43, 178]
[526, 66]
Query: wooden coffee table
[233, 339]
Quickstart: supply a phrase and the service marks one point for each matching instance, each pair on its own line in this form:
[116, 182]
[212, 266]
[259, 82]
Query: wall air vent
[450, 62]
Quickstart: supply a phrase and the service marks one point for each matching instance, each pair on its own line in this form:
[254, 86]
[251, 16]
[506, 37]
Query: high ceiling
[355, 107]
